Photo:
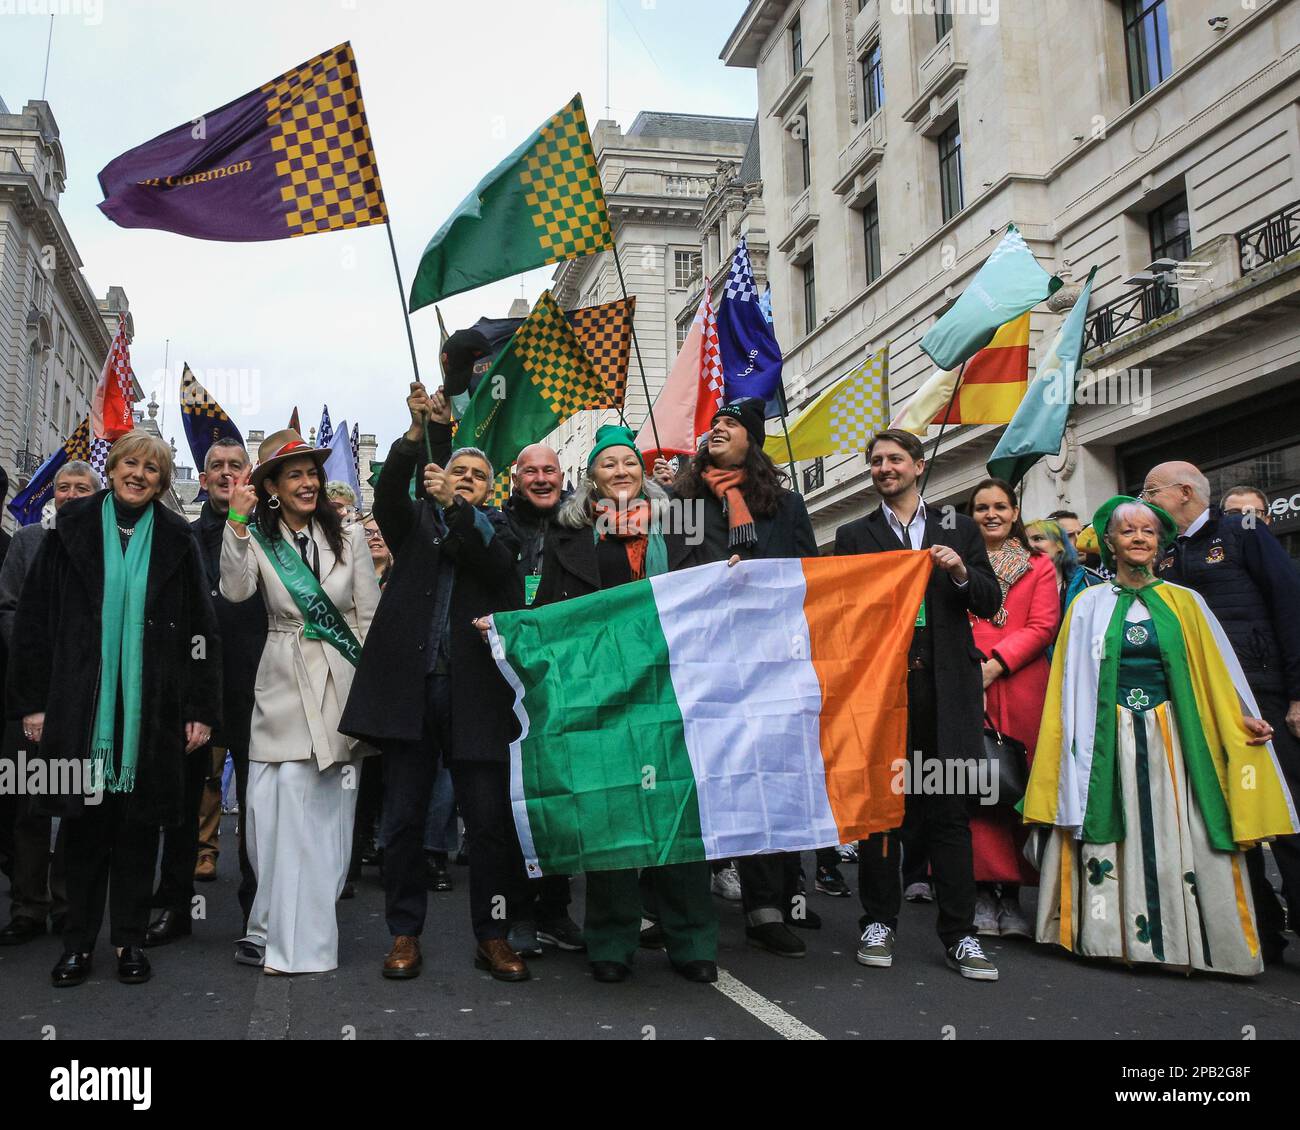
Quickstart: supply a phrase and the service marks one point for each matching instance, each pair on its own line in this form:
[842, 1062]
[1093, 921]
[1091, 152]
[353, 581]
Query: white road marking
[759, 1007]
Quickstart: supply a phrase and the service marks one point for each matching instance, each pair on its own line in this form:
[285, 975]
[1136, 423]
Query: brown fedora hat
[282, 446]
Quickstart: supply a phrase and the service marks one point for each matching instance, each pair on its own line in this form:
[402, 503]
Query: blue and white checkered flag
[751, 357]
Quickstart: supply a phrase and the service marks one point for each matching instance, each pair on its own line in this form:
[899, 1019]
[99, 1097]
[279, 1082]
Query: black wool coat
[243, 635]
[959, 686]
[57, 631]
[787, 532]
[571, 568]
[388, 700]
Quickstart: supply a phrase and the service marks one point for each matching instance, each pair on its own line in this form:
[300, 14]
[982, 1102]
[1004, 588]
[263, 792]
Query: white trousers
[298, 825]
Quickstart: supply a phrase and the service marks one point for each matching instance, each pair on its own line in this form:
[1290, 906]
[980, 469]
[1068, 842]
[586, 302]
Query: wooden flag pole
[785, 427]
[934, 455]
[645, 384]
[410, 336]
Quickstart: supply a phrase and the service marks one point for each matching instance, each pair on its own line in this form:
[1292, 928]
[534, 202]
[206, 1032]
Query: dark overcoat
[57, 632]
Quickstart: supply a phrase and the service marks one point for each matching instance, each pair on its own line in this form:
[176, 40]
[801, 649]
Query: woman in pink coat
[1014, 644]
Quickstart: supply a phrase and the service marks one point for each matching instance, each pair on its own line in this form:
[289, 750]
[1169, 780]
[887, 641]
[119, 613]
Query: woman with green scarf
[611, 531]
[1153, 770]
[121, 679]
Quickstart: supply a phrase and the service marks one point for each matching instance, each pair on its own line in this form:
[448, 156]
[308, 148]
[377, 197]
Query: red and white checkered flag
[111, 408]
[711, 379]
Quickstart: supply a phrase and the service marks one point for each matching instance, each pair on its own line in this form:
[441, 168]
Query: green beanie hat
[1100, 520]
[611, 435]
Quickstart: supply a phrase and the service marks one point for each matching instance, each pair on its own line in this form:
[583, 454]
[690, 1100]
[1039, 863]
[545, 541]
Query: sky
[451, 87]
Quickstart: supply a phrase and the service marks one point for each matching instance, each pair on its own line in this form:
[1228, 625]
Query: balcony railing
[1128, 312]
[814, 476]
[28, 462]
[1270, 239]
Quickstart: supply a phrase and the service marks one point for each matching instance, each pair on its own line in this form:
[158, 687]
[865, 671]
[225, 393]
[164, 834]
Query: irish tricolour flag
[712, 713]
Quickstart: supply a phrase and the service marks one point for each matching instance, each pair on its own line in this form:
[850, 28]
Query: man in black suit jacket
[944, 704]
[427, 688]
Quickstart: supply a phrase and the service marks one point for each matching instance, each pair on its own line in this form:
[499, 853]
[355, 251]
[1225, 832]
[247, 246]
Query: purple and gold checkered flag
[606, 334]
[292, 158]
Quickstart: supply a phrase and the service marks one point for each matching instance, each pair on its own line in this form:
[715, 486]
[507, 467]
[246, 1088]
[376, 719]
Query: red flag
[111, 407]
[684, 409]
[711, 380]
[294, 426]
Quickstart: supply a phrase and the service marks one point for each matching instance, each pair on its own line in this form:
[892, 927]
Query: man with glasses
[1247, 579]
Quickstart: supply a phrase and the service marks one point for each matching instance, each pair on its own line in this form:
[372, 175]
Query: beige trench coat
[302, 685]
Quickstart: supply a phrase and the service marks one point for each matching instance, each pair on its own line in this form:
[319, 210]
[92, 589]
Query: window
[873, 80]
[686, 265]
[805, 153]
[1146, 43]
[942, 21]
[809, 297]
[1171, 238]
[796, 46]
[871, 238]
[950, 171]
[683, 332]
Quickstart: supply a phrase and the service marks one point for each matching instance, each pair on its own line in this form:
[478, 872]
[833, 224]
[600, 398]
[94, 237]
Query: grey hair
[82, 468]
[1200, 485]
[224, 441]
[1125, 509]
[338, 490]
[478, 453]
[579, 509]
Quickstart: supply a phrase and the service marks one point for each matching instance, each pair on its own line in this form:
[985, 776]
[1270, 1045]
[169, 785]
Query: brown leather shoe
[403, 960]
[205, 870]
[500, 960]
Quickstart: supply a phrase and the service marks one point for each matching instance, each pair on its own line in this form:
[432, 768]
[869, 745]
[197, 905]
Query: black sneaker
[776, 938]
[563, 934]
[829, 881]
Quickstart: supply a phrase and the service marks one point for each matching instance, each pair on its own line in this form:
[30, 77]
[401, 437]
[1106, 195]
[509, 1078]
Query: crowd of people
[1146, 666]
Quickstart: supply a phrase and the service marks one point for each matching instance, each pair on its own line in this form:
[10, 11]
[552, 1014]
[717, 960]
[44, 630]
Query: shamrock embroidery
[1138, 699]
[1136, 635]
[1099, 870]
[1143, 928]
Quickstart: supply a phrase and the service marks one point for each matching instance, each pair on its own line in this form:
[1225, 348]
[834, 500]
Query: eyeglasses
[374, 535]
[1151, 492]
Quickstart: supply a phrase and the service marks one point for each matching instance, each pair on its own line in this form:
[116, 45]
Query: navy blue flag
[205, 421]
[325, 436]
[28, 503]
[751, 358]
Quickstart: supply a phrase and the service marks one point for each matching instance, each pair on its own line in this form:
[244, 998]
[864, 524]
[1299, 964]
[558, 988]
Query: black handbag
[1007, 762]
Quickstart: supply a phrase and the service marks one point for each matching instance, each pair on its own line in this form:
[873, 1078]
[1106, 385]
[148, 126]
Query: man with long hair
[748, 512]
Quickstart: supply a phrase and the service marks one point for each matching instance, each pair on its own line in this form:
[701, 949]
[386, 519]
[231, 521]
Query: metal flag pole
[785, 427]
[410, 336]
[645, 384]
[934, 455]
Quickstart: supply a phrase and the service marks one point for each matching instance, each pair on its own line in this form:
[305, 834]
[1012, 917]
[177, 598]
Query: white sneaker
[986, 915]
[919, 892]
[1012, 922]
[727, 883]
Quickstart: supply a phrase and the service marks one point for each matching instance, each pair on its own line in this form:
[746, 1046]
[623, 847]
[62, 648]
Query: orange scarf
[726, 488]
[631, 526]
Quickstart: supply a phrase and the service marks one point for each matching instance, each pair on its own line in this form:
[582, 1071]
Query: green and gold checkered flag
[541, 378]
[542, 204]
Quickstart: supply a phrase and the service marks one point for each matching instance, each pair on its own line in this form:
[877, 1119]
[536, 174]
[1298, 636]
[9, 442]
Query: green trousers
[683, 903]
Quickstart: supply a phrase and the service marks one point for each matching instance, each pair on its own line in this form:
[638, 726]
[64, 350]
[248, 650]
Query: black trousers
[108, 856]
[768, 884]
[369, 799]
[409, 772]
[939, 823]
[180, 844]
[1286, 849]
[498, 885]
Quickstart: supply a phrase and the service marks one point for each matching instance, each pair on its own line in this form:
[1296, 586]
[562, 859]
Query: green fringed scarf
[121, 649]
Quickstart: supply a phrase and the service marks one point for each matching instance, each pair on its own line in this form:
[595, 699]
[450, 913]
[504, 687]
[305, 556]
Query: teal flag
[1009, 283]
[1038, 427]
